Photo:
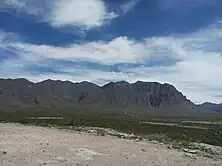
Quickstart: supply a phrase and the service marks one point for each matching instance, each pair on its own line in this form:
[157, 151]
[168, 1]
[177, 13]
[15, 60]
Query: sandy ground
[35, 146]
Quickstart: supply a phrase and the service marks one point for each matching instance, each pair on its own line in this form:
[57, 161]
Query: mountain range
[212, 106]
[17, 93]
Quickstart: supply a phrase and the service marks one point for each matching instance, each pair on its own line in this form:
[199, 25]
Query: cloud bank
[191, 61]
[195, 68]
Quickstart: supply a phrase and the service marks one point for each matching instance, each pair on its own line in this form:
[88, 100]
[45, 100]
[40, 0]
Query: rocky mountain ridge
[114, 94]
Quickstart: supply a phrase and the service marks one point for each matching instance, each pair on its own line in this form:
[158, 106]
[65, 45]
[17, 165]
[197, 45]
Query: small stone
[137, 140]
[191, 155]
[188, 155]
[169, 146]
[140, 138]
[143, 150]
[190, 151]
[4, 152]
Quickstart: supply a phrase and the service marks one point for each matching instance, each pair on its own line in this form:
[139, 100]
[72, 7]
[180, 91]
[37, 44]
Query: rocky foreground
[35, 146]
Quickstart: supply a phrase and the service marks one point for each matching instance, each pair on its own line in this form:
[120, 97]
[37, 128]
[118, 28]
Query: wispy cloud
[195, 58]
[119, 50]
[195, 46]
[30, 7]
[129, 6]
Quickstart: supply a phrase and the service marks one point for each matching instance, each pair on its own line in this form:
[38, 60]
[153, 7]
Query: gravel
[35, 146]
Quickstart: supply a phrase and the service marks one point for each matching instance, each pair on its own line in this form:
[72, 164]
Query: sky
[167, 41]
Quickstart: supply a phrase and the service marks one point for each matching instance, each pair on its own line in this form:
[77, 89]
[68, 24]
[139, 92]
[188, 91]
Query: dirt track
[34, 146]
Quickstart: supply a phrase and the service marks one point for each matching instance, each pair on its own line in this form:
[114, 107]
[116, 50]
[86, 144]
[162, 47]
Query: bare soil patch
[34, 146]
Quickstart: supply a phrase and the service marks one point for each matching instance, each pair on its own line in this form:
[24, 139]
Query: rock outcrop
[113, 94]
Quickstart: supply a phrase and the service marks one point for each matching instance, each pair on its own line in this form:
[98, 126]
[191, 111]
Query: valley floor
[34, 146]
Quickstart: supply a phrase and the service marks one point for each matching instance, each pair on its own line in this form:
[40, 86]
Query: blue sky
[173, 41]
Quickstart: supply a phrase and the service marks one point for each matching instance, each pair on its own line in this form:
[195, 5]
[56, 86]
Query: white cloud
[59, 13]
[86, 13]
[31, 7]
[200, 80]
[119, 50]
[18, 69]
[127, 7]
[2, 36]
[204, 44]
[197, 73]
[15, 3]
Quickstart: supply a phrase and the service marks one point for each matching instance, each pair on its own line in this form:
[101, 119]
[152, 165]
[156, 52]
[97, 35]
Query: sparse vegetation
[210, 133]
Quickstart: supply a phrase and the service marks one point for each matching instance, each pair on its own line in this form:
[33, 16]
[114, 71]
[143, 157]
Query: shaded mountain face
[158, 95]
[18, 92]
[212, 106]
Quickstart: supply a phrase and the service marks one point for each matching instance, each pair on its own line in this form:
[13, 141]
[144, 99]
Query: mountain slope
[114, 94]
[212, 106]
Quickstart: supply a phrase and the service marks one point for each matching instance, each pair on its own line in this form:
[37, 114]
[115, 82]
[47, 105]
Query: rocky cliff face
[158, 95]
[113, 94]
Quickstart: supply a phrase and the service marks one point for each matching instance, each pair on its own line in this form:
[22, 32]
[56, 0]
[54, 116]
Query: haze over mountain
[168, 41]
[212, 106]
